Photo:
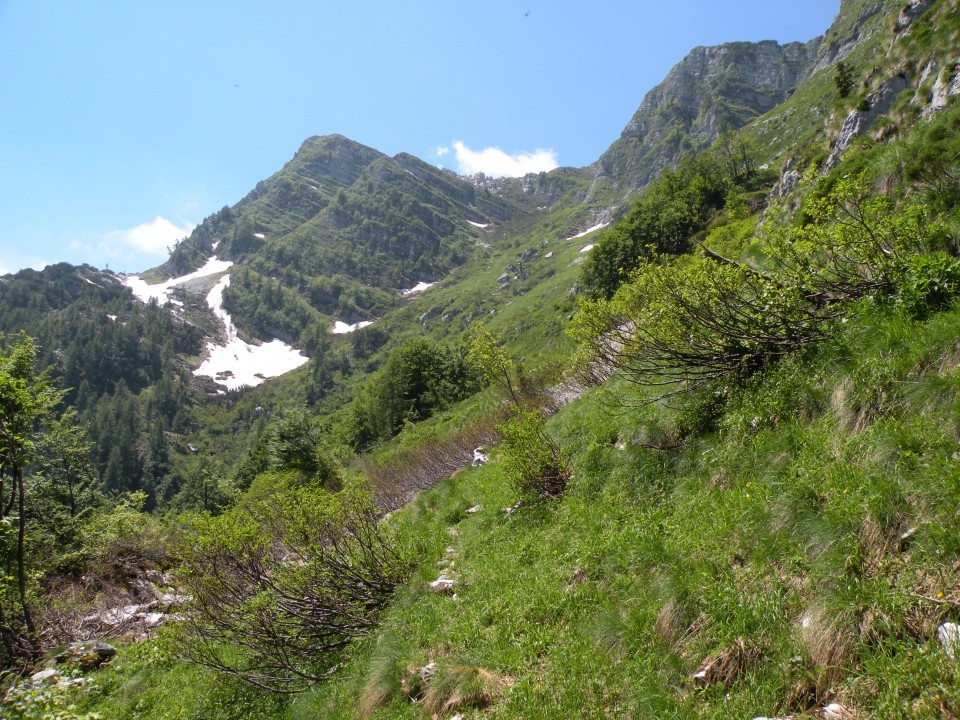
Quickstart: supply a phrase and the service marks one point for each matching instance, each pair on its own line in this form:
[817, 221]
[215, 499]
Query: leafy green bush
[702, 319]
[843, 79]
[928, 283]
[695, 320]
[120, 537]
[677, 207]
[418, 378]
[532, 459]
[52, 699]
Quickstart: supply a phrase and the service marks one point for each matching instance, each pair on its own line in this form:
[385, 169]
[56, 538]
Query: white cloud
[152, 237]
[495, 162]
[15, 262]
[441, 150]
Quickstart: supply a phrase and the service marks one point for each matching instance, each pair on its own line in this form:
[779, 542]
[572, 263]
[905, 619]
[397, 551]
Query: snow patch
[588, 231]
[260, 236]
[418, 288]
[482, 226]
[586, 248]
[239, 364]
[145, 292]
[342, 328]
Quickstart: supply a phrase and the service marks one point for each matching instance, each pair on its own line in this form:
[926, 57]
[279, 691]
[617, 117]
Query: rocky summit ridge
[711, 90]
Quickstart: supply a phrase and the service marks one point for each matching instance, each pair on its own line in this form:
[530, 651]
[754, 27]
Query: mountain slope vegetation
[714, 428]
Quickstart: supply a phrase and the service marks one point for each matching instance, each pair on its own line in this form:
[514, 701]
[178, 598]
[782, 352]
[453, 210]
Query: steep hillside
[742, 506]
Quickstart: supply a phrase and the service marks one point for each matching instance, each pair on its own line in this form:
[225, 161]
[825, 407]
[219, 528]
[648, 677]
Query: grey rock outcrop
[859, 122]
[711, 89]
[87, 654]
[855, 23]
[946, 86]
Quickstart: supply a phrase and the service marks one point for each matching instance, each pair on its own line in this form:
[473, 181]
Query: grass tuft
[458, 687]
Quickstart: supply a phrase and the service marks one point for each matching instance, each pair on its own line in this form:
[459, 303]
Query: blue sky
[123, 124]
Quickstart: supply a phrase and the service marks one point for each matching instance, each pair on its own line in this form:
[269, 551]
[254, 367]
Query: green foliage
[196, 486]
[703, 319]
[927, 283]
[54, 699]
[282, 583]
[418, 378]
[489, 357]
[695, 320]
[28, 407]
[663, 222]
[269, 310]
[931, 159]
[119, 538]
[532, 460]
[852, 243]
[296, 443]
[843, 79]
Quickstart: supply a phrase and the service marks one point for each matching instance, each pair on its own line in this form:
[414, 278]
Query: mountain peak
[713, 88]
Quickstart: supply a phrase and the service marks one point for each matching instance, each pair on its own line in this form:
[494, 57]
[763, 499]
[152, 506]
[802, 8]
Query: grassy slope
[782, 527]
[789, 514]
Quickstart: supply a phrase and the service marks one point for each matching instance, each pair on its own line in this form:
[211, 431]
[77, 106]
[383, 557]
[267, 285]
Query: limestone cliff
[710, 90]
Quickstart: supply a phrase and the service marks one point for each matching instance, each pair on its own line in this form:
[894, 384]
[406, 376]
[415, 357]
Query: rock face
[710, 90]
[87, 654]
[858, 122]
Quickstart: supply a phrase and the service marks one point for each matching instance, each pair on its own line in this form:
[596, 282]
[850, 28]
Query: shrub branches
[694, 320]
[533, 461]
[280, 585]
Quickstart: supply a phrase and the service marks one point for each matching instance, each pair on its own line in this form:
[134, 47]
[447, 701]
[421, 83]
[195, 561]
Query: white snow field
[418, 288]
[236, 364]
[342, 328]
[161, 292]
[588, 231]
[239, 364]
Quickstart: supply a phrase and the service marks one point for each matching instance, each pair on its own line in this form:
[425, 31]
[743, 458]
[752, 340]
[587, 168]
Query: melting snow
[588, 231]
[161, 292]
[482, 226]
[342, 328]
[586, 248]
[418, 288]
[238, 364]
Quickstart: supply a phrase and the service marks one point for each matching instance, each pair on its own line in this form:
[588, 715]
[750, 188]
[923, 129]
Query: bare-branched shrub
[281, 585]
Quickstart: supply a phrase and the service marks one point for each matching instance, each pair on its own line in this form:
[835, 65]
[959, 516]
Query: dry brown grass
[408, 472]
[729, 665]
[669, 625]
[458, 687]
[828, 642]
